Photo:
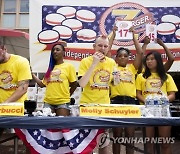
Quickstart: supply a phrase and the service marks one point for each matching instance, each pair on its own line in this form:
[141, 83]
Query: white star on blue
[158, 12]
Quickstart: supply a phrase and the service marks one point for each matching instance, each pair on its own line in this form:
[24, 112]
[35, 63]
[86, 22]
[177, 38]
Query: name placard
[12, 110]
[110, 111]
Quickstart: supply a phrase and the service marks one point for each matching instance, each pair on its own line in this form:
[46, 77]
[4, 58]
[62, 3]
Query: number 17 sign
[123, 30]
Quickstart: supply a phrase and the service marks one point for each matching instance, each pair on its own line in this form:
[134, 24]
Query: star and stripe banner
[79, 22]
[65, 141]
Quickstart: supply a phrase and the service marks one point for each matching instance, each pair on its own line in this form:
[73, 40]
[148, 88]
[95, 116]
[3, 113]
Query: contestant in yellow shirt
[60, 82]
[125, 91]
[13, 73]
[95, 74]
[155, 81]
[170, 56]
[14, 77]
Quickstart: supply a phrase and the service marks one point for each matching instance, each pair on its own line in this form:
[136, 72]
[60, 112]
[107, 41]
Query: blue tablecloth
[82, 122]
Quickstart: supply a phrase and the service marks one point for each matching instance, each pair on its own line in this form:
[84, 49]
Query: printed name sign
[12, 110]
[123, 30]
[111, 111]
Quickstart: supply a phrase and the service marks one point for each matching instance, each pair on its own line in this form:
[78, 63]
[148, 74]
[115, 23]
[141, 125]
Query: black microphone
[72, 101]
[30, 106]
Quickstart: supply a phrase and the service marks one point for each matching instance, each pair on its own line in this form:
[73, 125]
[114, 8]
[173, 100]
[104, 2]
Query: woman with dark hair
[170, 56]
[120, 94]
[60, 82]
[154, 81]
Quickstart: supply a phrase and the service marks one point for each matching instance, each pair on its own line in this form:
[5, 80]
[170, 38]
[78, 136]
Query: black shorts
[123, 100]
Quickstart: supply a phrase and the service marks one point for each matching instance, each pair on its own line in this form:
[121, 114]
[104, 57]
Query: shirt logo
[153, 86]
[6, 80]
[101, 79]
[55, 76]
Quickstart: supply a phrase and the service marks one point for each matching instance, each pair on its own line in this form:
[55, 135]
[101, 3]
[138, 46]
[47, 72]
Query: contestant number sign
[151, 32]
[123, 30]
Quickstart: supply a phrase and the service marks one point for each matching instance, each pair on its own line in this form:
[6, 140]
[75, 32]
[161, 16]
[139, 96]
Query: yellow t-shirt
[97, 89]
[57, 88]
[16, 69]
[127, 86]
[152, 85]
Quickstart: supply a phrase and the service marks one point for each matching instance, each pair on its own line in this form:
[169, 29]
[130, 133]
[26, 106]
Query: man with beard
[14, 77]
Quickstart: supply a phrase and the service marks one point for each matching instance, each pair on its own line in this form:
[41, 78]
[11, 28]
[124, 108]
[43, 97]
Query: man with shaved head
[95, 75]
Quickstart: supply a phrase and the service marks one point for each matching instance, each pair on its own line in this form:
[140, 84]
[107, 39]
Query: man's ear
[94, 45]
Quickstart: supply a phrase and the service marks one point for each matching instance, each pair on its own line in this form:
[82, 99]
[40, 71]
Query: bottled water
[158, 105]
[116, 76]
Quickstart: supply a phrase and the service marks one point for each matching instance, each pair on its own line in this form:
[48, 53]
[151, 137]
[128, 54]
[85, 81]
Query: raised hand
[160, 42]
[146, 40]
[97, 57]
[131, 29]
[114, 29]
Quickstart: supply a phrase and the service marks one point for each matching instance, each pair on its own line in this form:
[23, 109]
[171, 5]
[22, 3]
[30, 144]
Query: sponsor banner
[79, 22]
[8, 110]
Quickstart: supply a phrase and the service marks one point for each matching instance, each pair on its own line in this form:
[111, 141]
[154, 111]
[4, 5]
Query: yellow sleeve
[72, 74]
[44, 81]
[82, 69]
[24, 72]
[139, 82]
[133, 69]
[171, 86]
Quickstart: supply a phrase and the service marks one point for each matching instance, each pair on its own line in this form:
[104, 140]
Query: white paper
[123, 30]
[151, 32]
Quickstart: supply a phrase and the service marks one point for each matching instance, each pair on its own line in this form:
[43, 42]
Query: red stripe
[65, 130]
[51, 39]
[76, 28]
[69, 15]
[89, 148]
[53, 22]
[54, 130]
[168, 31]
[86, 19]
[86, 38]
[178, 36]
[21, 135]
[13, 33]
[64, 35]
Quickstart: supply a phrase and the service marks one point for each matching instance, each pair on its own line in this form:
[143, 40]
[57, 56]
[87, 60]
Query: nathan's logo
[101, 79]
[127, 11]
